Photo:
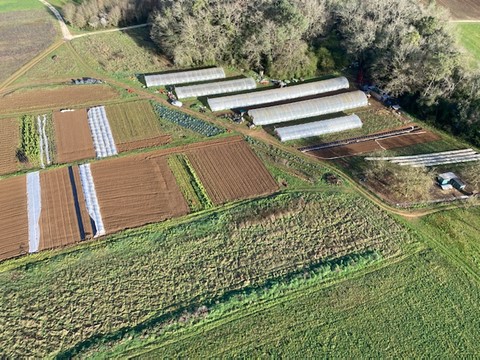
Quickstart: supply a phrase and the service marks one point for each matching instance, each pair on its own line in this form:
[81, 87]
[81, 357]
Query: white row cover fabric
[462, 152]
[273, 95]
[433, 159]
[34, 207]
[91, 200]
[318, 128]
[101, 133]
[184, 77]
[44, 148]
[308, 108]
[213, 88]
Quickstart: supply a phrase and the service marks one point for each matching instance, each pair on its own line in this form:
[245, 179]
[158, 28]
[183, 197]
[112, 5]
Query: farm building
[318, 128]
[213, 88]
[308, 108]
[184, 77]
[272, 95]
[449, 180]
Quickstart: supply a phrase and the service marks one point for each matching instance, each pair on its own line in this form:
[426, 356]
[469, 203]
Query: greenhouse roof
[183, 77]
[308, 108]
[218, 87]
[280, 94]
[318, 128]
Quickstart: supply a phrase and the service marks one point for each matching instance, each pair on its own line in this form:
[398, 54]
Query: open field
[72, 136]
[15, 5]
[13, 217]
[121, 53]
[58, 97]
[231, 171]
[420, 306]
[462, 9]
[64, 219]
[469, 38]
[9, 142]
[135, 125]
[136, 190]
[182, 266]
[23, 35]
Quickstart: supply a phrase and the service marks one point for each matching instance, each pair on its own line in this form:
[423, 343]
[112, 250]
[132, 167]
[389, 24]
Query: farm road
[65, 32]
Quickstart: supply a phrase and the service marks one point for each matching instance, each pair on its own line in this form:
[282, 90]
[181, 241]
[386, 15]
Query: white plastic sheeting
[101, 132]
[281, 94]
[308, 108]
[44, 147]
[34, 207]
[433, 159]
[213, 88]
[184, 77]
[91, 200]
[318, 128]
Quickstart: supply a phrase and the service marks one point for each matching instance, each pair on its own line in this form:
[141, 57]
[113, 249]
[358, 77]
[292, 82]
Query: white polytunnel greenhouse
[184, 77]
[318, 128]
[218, 87]
[308, 108]
[280, 94]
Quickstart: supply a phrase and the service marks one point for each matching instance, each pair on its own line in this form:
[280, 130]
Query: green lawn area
[134, 280]
[419, 307]
[17, 5]
[469, 37]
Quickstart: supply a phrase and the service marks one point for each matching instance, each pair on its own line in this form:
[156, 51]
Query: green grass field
[133, 121]
[82, 297]
[421, 306]
[19, 5]
[469, 38]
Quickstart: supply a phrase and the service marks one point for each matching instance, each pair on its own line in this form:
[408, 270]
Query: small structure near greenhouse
[318, 128]
[308, 108]
[183, 77]
[213, 88]
[450, 180]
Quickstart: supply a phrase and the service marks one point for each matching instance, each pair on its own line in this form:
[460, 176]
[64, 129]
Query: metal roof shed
[308, 108]
[318, 128]
[218, 87]
[272, 95]
[183, 77]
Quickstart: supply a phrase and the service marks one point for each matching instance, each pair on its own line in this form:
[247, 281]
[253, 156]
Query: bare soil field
[23, 35]
[60, 97]
[420, 137]
[231, 171]
[462, 9]
[135, 191]
[135, 125]
[9, 141]
[13, 217]
[72, 136]
[64, 219]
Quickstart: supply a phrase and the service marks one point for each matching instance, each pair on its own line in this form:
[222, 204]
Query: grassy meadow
[469, 38]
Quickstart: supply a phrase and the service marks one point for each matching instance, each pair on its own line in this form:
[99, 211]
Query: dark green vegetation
[29, 150]
[190, 186]
[81, 298]
[420, 306]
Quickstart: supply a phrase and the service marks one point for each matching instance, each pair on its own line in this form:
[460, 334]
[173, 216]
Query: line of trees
[404, 46]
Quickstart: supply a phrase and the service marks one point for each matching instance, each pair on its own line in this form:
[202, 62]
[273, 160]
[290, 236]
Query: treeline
[404, 46]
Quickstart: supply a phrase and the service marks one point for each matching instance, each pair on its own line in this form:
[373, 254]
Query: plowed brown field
[141, 144]
[55, 98]
[13, 217]
[462, 9]
[231, 171]
[135, 191]
[64, 219]
[9, 141]
[72, 136]
[419, 137]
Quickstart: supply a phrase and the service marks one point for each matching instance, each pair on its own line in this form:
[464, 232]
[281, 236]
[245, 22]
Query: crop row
[187, 121]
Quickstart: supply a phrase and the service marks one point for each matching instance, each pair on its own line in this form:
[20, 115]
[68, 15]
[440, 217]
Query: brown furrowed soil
[231, 171]
[419, 137]
[23, 35]
[72, 136]
[462, 9]
[13, 217]
[60, 97]
[64, 219]
[9, 141]
[135, 125]
[135, 191]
